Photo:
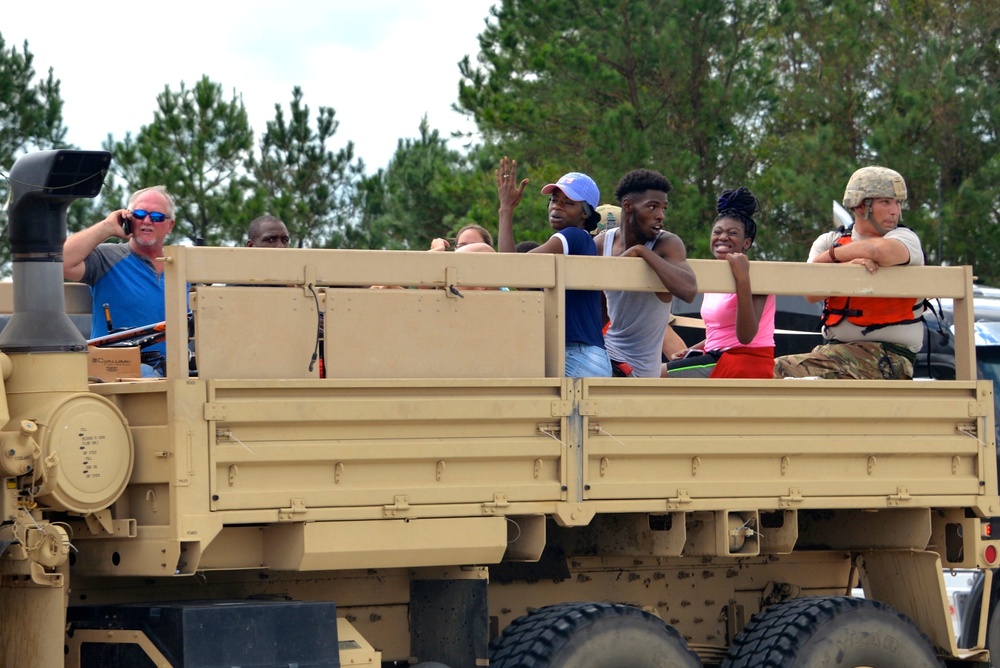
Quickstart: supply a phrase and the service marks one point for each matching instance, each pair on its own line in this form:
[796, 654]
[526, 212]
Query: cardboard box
[111, 364]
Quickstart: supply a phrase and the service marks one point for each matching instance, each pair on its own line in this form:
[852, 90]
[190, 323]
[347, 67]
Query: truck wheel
[590, 635]
[831, 631]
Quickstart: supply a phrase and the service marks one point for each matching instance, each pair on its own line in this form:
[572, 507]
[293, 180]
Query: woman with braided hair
[739, 327]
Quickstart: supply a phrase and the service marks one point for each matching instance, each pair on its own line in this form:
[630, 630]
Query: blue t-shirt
[583, 307]
[131, 287]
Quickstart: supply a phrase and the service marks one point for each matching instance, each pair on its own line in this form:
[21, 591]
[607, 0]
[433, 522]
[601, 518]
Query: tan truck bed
[443, 435]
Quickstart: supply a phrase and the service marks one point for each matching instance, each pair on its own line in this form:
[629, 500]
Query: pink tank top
[718, 310]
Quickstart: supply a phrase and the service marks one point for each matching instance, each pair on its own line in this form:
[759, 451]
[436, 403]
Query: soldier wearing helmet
[869, 185]
[866, 337]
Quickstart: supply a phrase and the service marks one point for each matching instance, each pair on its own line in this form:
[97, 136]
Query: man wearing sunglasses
[128, 277]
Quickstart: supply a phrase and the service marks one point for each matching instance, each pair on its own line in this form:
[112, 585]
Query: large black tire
[590, 635]
[831, 632]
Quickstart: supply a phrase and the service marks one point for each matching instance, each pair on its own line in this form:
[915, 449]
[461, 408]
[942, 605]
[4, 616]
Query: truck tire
[833, 632]
[590, 635]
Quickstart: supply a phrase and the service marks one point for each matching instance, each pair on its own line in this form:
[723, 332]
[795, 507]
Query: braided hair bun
[741, 205]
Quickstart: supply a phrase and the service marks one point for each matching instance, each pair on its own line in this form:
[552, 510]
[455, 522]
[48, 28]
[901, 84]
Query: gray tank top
[638, 321]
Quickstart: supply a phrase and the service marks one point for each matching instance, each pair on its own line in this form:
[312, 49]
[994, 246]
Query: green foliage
[30, 110]
[787, 97]
[603, 86]
[815, 137]
[913, 86]
[198, 145]
[945, 113]
[424, 193]
[312, 189]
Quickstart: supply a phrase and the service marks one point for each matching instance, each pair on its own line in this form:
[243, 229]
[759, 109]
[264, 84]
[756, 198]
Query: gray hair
[171, 207]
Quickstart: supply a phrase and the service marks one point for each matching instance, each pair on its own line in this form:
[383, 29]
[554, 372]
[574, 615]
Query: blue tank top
[583, 307]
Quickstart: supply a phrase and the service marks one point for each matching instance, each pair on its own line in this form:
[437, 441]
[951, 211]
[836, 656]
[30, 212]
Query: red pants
[745, 363]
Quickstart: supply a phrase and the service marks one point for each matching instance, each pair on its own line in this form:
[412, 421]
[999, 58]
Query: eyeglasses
[154, 216]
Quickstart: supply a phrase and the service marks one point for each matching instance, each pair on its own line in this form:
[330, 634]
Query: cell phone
[126, 222]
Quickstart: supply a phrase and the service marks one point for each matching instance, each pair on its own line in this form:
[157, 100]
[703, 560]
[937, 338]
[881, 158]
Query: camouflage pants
[860, 361]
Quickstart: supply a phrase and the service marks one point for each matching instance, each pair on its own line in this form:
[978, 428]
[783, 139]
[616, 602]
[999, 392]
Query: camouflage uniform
[859, 361]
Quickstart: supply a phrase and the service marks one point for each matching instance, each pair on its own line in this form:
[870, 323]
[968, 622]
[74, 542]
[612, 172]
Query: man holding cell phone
[128, 277]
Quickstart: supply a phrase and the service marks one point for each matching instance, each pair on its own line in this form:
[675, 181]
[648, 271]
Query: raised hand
[509, 190]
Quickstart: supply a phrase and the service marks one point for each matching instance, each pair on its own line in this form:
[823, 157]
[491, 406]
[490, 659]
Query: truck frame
[437, 493]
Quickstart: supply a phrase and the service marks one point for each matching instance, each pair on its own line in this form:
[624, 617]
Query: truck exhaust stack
[43, 185]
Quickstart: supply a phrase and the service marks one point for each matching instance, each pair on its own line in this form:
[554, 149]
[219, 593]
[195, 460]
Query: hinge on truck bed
[682, 497]
[902, 495]
[401, 505]
[298, 507]
[499, 501]
[794, 496]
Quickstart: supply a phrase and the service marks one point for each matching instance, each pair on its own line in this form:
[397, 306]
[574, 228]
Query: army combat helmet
[874, 183]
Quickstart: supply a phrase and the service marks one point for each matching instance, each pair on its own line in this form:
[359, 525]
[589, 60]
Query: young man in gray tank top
[638, 319]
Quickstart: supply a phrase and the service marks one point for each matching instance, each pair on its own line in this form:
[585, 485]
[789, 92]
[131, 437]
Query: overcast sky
[381, 64]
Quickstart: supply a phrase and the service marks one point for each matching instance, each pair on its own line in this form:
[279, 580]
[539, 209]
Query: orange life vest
[870, 312]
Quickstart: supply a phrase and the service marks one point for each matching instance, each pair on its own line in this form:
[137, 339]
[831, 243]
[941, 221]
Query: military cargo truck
[436, 493]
